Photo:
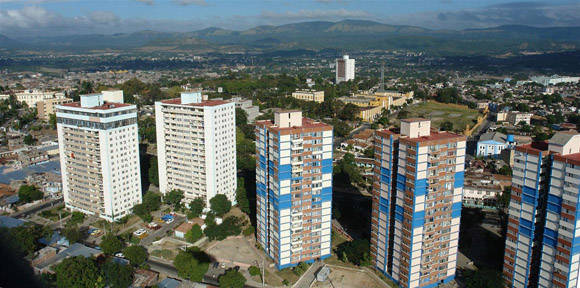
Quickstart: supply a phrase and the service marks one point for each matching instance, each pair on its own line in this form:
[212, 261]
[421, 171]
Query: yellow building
[372, 105]
[309, 95]
[370, 114]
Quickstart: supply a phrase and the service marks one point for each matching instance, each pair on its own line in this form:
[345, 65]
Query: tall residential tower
[417, 203]
[294, 188]
[542, 246]
[196, 146]
[344, 69]
[99, 156]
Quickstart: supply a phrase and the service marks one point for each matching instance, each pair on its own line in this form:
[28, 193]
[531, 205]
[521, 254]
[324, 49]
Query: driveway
[161, 232]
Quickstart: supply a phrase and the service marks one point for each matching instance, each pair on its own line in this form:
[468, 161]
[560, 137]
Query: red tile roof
[570, 158]
[435, 136]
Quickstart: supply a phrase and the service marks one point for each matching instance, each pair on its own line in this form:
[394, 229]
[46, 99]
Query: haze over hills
[346, 34]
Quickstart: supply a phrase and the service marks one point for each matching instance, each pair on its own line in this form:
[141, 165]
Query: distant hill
[318, 35]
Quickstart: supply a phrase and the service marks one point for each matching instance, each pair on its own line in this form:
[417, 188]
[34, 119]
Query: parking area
[348, 277]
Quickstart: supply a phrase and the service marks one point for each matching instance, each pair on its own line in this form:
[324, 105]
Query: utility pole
[263, 272]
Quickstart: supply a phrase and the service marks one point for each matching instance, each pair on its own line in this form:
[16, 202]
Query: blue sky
[58, 17]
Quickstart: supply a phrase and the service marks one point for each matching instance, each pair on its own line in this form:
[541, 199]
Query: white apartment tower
[99, 156]
[344, 69]
[196, 146]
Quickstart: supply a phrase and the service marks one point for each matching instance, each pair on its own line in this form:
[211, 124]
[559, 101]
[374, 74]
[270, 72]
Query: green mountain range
[349, 35]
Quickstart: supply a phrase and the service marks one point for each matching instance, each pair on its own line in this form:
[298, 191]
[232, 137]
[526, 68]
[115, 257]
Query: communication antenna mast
[382, 84]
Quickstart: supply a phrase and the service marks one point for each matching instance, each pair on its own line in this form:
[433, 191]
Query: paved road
[49, 204]
[308, 276]
[155, 234]
[162, 267]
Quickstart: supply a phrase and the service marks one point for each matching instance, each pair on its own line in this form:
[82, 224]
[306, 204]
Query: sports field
[459, 115]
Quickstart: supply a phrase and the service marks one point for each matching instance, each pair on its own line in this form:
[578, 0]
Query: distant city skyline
[31, 18]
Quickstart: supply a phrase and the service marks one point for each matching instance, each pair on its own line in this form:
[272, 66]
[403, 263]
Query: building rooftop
[570, 158]
[409, 120]
[494, 136]
[105, 106]
[534, 147]
[561, 138]
[306, 123]
[10, 222]
[434, 136]
[177, 101]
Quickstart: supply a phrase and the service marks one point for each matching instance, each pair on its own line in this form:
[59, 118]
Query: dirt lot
[237, 250]
[346, 277]
[167, 248]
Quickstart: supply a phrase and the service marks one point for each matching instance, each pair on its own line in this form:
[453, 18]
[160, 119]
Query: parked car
[169, 221]
[140, 232]
[153, 226]
[120, 255]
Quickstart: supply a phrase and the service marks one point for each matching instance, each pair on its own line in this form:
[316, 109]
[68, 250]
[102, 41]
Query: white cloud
[315, 14]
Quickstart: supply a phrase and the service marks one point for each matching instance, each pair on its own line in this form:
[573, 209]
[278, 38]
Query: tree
[300, 268]
[220, 204]
[174, 198]
[232, 279]
[25, 238]
[369, 152]
[229, 227]
[505, 170]
[76, 218]
[52, 120]
[356, 252]
[254, 271]
[196, 208]
[153, 172]
[136, 254]
[194, 234]
[72, 234]
[29, 193]
[242, 196]
[503, 199]
[111, 244]
[446, 126]
[485, 278]
[78, 272]
[117, 275]
[191, 264]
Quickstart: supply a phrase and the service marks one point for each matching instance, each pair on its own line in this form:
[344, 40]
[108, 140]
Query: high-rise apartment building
[417, 203]
[541, 248]
[196, 146]
[294, 188]
[99, 156]
[344, 69]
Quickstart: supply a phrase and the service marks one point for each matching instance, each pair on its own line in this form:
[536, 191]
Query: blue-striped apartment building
[542, 246]
[417, 203]
[294, 188]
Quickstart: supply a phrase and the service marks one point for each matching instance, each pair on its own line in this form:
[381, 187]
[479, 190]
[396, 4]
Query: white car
[120, 255]
[140, 232]
[169, 221]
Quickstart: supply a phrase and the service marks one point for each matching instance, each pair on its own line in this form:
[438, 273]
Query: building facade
[294, 188]
[491, 144]
[248, 107]
[309, 95]
[345, 69]
[31, 97]
[541, 246]
[196, 146]
[99, 156]
[417, 204]
[45, 108]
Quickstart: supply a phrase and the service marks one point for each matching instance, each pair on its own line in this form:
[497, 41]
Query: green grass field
[459, 115]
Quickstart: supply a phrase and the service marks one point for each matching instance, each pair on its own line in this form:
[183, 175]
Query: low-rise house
[76, 249]
[144, 278]
[491, 144]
